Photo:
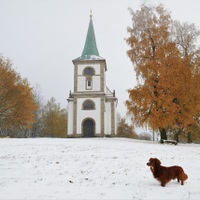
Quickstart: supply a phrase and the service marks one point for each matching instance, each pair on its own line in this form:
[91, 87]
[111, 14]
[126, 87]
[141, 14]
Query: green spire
[90, 51]
[90, 47]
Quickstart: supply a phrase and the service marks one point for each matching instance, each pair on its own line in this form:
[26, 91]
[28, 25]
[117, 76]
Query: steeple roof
[90, 51]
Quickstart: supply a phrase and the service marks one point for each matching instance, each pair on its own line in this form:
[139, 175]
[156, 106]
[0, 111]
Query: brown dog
[166, 174]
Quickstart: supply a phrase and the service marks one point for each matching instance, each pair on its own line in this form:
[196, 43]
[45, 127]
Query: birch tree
[167, 95]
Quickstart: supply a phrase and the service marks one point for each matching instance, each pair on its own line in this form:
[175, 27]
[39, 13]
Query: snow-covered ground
[98, 168]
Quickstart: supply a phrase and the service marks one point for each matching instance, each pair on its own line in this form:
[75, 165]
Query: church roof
[90, 51]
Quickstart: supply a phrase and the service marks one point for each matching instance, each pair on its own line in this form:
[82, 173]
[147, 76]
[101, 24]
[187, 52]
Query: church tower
[91, 106]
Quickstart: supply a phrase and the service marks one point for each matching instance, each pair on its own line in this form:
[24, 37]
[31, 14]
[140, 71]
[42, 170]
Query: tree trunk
[163, 134]
[189, 137]
[176, 136]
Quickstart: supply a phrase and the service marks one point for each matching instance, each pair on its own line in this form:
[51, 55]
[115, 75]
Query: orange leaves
[16, 99]
[149, 30]
[169, 92]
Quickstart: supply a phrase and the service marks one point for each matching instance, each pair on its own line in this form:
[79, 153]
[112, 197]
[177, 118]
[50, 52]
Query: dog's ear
[157, 161]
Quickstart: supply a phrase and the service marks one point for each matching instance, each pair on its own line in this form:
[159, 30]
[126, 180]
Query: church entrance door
[88, 128]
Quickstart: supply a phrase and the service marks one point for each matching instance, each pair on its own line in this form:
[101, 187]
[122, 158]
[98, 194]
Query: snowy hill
[99, 168]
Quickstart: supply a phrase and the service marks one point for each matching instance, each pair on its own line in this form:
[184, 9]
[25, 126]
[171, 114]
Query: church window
[88, 71]
[88, 83]
[88, 105]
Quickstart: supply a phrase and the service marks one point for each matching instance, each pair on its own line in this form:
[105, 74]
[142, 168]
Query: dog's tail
[185, 176]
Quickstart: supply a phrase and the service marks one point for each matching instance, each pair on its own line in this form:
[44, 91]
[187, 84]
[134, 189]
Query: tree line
[128, 130]
[166, 60]
[22, 111]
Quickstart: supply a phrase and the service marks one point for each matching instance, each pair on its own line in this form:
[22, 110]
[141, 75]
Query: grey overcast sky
[42, 37]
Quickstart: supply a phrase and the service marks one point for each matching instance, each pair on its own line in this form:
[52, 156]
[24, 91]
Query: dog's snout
[148, 164]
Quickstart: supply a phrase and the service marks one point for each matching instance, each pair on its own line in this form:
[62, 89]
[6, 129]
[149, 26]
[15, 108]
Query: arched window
[88, 71]
[88, 105]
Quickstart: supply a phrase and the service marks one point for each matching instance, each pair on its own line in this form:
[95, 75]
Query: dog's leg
[182, 182]
[163, 184]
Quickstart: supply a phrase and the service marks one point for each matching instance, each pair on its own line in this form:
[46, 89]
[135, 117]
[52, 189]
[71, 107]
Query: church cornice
[88, 94]
[90, 62]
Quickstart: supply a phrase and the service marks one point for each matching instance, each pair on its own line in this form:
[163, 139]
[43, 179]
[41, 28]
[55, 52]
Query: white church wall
[108, 118]
[70, 118]
[83, 114]
[81, 84]
[96, 83]
[115, 114]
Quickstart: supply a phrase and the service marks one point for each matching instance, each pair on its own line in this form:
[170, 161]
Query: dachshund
[166, 174]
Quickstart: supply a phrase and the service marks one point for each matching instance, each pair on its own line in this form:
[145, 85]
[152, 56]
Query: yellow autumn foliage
[168, 90]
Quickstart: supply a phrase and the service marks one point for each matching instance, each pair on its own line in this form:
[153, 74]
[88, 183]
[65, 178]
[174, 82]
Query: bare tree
[185, 34]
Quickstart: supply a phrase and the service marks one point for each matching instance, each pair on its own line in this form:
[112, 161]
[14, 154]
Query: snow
[96, 168]
[89, 57]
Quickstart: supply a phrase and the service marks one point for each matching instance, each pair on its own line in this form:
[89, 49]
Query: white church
[91, 106]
